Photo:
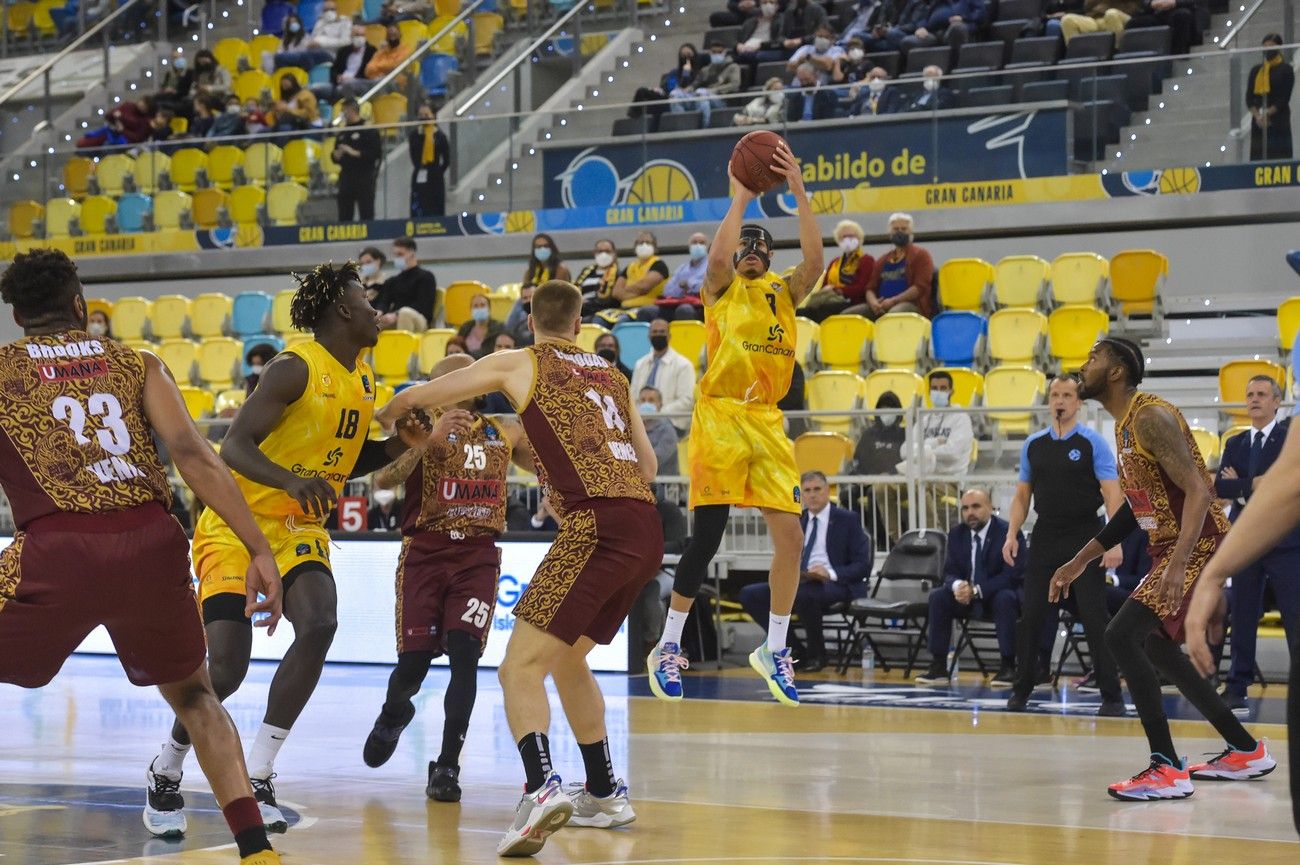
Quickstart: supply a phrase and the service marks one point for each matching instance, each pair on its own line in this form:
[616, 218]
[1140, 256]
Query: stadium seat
[134, 211]
[130, 317]
[188, 166]
[486, 26]
[99, 304]
[59, 214]
[219, 359]
[252, 342]
[902, 340]
[588, 333]
[198, 401]
[23, 216]
[1236, 374]
[957, 337]
[375, 34]
[179, 355]
[413, 32]
[149, 170]
[1072, 331]
[689, 338]
[1017, 336]
[1208, 443]
[299, 74]
[328, 166]
[232, 398]
[907, 386]
[223, 162]
[18, 19]
[246, 205]
[1010, 387]
[446, 7]
[1080, 278]
[1288, 323]
[262, 163]
[171, 209]
[433, 348]
[250, 313]
[1019, 281]
[77, 172]
[294, 337]
[138, 344]
[833, 389]
[434, 70]
[264, 43]
[967, 386]
[301, 156]
[98, 215]
[825, 452]
[281, 321]
[209, 207]
[633, 341]
[229, 50]
[499, 306]
[389, 108]
[844, 342]
[447, 44]
[252, 84]
[168, 316]
[807, 336]
[393, 354]
[209, 313]
[1136, 278]
[964, 283]
[114, 174]
[319, 74]
[456, 300]
[282, 202]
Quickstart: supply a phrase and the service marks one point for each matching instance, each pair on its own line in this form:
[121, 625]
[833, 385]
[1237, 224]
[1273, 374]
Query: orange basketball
[751, 161]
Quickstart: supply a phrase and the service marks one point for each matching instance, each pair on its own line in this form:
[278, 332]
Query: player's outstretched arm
[721, 271]
[212, 482]
[395, 473]
[507, 371]
[810, 269]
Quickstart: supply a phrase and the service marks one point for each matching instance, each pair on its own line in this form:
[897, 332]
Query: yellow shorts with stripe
[221, 561]
[739, 454]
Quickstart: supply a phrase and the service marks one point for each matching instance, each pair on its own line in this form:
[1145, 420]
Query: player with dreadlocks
[294, 444]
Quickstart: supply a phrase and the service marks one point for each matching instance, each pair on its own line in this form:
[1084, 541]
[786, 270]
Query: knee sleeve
[409, 674]
[710, 524]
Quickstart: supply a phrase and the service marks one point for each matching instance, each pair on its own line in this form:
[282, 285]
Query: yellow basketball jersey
[750, 341]
[320, 434]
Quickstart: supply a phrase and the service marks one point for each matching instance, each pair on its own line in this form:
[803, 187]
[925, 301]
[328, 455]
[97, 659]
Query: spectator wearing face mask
[370, 262]
[357, 151]
[719, 78]
[296, 109]
[607, 347]
[98, 324]
[845, 282]
[407, 298]
[934, 95]
[678, 78]
[851, 67]
[760, 40]
[430, 158]
[347, 72]
[517, 320]
[330, 33]
[177, 83]
[545, 263]
[597, 280]
[662, 434]
[209, 75]
[810, 101]
[481, 330]
[393, 53]
[766, 108]
[385, 515]
[822, 53]
[231, 120]
[640, 283]
[292, 40]
[669, 373]
[875, 96]
[878, 452]
[902, 280]
[204, 110]
[258, 357]
[681, 296]
[1268, 96]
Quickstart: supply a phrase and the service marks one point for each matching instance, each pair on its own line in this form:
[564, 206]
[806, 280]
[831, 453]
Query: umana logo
[775, 333]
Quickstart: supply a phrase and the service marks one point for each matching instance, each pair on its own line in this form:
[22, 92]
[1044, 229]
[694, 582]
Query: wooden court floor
[728, 781]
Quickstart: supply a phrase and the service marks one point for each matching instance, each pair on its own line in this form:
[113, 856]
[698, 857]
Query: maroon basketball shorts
[604, 554]
[445, 585]
[127, 570]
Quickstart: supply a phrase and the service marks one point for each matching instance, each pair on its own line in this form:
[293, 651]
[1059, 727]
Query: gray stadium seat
[919, 58]
[978, 97]
[683, 122]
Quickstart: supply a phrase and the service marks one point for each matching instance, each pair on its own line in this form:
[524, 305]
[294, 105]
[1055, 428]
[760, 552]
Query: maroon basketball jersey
[73, 432]
[458, 487]
[576, 421]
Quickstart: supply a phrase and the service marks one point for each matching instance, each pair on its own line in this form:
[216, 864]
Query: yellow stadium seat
[300, 156]
[262, 162]
[1071, 332]
[824, 452]
[19, 19]
[231, 398]
[208, 206]
[389, 108]
[294, 337]
[43, 21]
[1013, 387]
[1017, 336]
[179, 356]
[1208, 444]
[807, 334]
[830, 390]
[171, 209]
[902, 340]
[964, 283]
[383, 394]
[139, 344]
[967, 386]
[168, 316]
[375, 35]
[252, 84]
[1236, 374]
[689, 338]
[393, 354]
[510, 289]
[446, 7]
[1288, 323]
[229, 50]
[1019, 281]
[97, 212]
[99, 304]
[223, 161]
[328, 166]
[844, 342]
[433, 347]
[500, 305]
[264, 43]
[149, 170]
[1136, 277]
[23, 216]
[486, 26]
[282, 202]
[447, 44]
[178, 125]
[1080, 278]
[59, 214]
[209, 313]
[114, 173]
[219, 359]
[130, 316]
[281, 304]
[905, 385]
[187, 164]
[455, 308]
[77, 172]
[199, 401]
[246, 203]
[350, 8]
[588, 333]
[413, 32]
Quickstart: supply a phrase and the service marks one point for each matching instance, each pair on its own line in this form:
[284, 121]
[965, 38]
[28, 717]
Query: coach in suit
[834, 567]
[1246, 457]
[977, 582]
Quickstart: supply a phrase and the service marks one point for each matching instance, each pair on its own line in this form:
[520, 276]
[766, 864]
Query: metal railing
[1288, 22]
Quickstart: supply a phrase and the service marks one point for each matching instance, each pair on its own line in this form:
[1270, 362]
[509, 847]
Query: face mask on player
[752, 236]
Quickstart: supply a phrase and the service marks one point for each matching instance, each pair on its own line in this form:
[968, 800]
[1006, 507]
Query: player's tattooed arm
[1160, 434]
[395, 473]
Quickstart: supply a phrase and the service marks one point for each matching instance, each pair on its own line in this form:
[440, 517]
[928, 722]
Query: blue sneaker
[777, 668]
[665, 664]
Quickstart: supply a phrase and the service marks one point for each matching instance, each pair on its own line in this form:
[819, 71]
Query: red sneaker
[1160, 780]
[1234, 765]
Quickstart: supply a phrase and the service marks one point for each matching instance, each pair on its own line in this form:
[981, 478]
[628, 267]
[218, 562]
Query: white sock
[673, 627]
[776, 629]
[261, 757]
[171, 759]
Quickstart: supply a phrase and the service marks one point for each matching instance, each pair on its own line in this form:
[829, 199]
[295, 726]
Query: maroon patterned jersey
[458, 487]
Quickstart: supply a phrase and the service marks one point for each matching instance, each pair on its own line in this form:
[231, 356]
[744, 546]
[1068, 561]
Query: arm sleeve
[1026, 476]
[1120, 527]
[1103, 458]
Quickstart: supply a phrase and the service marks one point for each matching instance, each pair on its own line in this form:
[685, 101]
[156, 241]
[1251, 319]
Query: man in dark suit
[1245, 459]
[348, 68]
[811, 101]
[934, 95]
[834, 567]
[978, 583]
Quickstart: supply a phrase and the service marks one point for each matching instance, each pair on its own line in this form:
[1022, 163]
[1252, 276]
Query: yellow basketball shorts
[739, 454]
[221, 561]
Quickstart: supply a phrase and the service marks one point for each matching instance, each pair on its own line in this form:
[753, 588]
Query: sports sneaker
[1006, 676]
[538, 816]
[382, 741]
[443, 786]
[1160, 780]
[601, 812]
[1234, 765]
[777, 669]
[936, 675]
[1087, 684]
[265, 857]
[264, 793]
[665, 664]
[164, 814]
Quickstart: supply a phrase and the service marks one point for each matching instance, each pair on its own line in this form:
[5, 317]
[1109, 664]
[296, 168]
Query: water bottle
[868, 660]
[260, 617]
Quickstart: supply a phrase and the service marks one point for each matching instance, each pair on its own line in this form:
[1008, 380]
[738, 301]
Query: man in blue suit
[978, 583]
[1246, 457]
[834, 567]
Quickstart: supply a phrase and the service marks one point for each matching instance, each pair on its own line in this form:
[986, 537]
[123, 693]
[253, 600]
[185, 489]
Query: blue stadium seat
[434, 68]
[251, 313]
[370, 10]
[633, 341]
[132, 209]
[258, 339]
[273, 15]
[309, 11]
[319, 74]
[955, 337]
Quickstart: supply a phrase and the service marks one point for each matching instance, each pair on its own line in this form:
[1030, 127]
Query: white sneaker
[272, 816]
[164, 814]
[539, 815]
[597, 812]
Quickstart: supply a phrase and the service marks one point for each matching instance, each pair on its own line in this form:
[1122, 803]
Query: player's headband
[751, 235]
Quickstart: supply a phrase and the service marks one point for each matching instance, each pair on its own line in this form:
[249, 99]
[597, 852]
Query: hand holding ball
[753, 158]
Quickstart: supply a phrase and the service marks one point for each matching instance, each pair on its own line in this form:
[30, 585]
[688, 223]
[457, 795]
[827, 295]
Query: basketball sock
[777, 626]
[245, 822]
[535, 751]
[600, 768]
[171, 759]
[673, 627]
[261, 757]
